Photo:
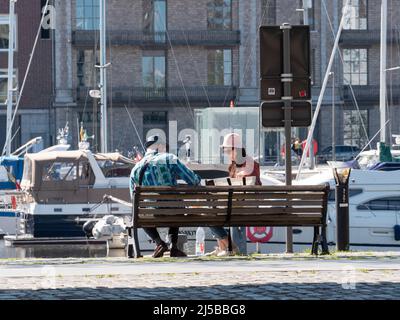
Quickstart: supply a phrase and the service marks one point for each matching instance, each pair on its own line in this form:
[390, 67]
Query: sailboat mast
[103, 78]
[344, 19]
[10, 79]
[383, 88]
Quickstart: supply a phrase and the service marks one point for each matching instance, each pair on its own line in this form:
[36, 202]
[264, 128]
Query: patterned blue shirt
[164, 169]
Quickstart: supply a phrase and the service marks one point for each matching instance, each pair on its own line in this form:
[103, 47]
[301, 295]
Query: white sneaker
[214, 253]
[226, 253]
[223, 253]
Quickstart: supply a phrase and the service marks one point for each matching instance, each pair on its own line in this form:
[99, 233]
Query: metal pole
[287, 78]
[383, 57]
[306, 6]
[10, 89]
[103, 79]
[333, 118]
[324, 85]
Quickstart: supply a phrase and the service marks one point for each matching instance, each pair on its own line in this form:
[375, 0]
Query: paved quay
[299, 276]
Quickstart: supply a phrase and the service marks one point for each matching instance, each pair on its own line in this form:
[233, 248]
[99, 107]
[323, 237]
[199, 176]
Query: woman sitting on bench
[241, 166]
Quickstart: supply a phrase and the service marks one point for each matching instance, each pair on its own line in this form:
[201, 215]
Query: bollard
[342, 209]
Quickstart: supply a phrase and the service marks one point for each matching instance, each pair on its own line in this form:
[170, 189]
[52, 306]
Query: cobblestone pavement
[356, 278]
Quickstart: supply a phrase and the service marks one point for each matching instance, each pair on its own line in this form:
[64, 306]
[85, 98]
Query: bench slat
[161, 212]
[260, 203]
[283, 210]
[177, 196]
[197, 189]
[182, 204]
[271, 196]
[236, 196]
[235, 204]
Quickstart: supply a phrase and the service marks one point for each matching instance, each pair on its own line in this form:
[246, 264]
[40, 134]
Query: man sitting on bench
[160, 168]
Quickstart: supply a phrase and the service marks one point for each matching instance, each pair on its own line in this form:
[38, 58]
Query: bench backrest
[231, 206]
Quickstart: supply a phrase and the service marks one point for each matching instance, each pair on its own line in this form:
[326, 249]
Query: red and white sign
[259, 234]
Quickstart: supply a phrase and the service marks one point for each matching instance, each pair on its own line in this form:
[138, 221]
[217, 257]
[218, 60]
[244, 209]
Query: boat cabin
[76, 176]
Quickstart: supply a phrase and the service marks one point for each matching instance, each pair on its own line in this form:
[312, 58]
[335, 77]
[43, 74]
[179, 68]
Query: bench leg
[314, 248]
[133, 248]
[230, 247]
[324, 242]
[136, 247]
[129, 247]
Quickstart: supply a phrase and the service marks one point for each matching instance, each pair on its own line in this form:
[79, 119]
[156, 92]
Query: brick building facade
[35, 108]
[170, 57]
[167, 59]
[358, 72]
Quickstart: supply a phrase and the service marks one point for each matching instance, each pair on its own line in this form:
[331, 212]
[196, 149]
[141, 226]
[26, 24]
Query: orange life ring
[259, 234]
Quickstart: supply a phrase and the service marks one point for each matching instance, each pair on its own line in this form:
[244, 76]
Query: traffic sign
[271, 62]
[273, 114]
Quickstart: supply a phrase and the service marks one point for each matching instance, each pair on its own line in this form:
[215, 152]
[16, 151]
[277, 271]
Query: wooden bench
[230, 206]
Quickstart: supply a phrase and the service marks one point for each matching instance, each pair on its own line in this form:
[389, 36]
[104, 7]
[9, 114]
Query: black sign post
[285, 86]
[287, 79]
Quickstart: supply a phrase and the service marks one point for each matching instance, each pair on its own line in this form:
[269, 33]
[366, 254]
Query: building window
[219, 15]
[4, 84]
[4, 32]
[310, 12]
[87, 14]
[358, 19]
[87, 74]
[355, 67]
[152, 118]
[354, 134]
[155, 18]
[45, 32]
[220, 67]
[153, 71]
[384, 204]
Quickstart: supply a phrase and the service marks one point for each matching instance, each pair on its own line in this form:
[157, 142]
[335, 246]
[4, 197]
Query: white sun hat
[232, 140]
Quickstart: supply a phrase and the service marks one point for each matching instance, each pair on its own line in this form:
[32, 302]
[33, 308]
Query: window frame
[5, 76]
[5, 20]
[367, 206]
[211, 12]
[350, 62]
[349, 25]
[311, 15]
[153, 74]
[224, 73]
[84, 19]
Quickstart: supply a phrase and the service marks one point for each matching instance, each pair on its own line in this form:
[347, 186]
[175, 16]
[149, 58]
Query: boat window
[59, 171]
[115, 169]
[383, 204]
[86, 175]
